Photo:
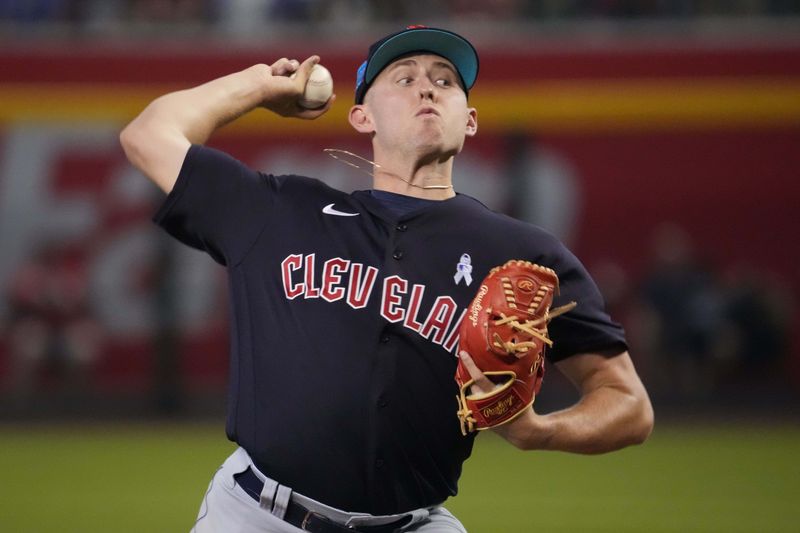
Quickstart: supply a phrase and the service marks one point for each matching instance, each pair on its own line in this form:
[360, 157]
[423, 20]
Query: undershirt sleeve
[218, 204]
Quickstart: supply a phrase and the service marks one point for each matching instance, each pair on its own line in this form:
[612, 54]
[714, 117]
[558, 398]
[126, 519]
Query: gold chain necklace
[343, 155]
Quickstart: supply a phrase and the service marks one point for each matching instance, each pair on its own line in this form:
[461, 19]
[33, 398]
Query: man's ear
[472, 121]
[360, 119]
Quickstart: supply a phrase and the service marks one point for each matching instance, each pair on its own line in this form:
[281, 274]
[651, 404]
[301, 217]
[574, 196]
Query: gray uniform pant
[227, 508]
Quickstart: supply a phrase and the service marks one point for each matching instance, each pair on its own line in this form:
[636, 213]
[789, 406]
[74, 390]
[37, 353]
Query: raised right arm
[157, 140]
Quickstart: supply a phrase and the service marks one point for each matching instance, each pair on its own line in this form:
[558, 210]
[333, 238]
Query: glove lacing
[529, 327]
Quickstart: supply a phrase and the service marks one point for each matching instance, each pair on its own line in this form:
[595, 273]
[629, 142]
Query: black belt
[308, 520]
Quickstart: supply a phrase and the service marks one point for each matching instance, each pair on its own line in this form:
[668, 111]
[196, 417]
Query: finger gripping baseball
[505, 333]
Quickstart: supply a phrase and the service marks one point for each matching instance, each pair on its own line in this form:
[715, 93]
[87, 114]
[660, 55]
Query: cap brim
[452, 47]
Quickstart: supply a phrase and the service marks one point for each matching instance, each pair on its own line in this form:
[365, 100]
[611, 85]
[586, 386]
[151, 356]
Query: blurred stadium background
[660, 139]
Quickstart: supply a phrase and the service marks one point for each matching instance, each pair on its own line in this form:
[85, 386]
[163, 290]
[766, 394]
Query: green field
[150, 478]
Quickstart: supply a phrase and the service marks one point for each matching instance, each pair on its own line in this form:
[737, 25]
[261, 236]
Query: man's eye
[405, 80]
[444, 82]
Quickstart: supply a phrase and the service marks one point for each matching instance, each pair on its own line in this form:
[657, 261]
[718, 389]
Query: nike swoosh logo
[329, 210]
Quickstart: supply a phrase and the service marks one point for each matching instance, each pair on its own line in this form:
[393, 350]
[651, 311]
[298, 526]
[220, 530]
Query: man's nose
[426, 90]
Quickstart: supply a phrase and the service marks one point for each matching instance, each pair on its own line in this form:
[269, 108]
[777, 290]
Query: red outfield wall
[706, 136]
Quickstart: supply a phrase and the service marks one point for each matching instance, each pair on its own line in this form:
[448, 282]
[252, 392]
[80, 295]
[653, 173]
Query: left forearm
[604, 420]
[614, 410]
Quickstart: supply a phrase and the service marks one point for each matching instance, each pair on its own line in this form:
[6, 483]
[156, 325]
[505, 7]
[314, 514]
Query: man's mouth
[427, 110]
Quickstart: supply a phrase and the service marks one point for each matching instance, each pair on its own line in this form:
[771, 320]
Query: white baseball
[319, 88]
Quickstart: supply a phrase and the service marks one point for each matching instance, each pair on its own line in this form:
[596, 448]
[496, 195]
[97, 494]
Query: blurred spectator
[175, 11]
[754, 334]
[52, 338]
[33, 10]
[291, 10]
[498, 9]
[682, 310]
[239, 17]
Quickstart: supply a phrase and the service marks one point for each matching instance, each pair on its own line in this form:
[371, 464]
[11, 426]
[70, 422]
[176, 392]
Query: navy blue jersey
[345, 325]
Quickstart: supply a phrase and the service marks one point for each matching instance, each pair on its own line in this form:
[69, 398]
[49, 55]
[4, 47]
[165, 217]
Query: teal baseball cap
[422, 39]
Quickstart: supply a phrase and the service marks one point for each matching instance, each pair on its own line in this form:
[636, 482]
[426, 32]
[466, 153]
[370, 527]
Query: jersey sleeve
[588, 328]
[218, 204]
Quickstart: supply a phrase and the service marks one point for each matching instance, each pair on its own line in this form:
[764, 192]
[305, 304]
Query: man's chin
[435, 151]
[432, 137]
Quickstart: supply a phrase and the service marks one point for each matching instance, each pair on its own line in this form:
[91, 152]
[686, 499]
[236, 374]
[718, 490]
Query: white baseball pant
[227, 508]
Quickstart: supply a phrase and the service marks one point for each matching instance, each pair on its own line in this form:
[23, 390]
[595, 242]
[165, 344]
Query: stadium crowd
[210, 13]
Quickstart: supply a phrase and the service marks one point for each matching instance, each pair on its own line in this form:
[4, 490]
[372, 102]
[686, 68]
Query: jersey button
[401, 227]
[379, 462]
[398, 254]
[382, 401]
[385, 338]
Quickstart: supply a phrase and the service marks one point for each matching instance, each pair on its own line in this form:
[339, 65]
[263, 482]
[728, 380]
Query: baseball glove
[505, 333]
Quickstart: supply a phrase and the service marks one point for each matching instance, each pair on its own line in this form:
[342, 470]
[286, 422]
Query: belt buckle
[322, 518]
[308, 515]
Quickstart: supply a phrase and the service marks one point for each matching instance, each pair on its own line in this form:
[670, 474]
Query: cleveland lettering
[355, 283]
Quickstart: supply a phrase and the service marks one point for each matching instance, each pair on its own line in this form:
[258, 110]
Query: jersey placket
[388, 348]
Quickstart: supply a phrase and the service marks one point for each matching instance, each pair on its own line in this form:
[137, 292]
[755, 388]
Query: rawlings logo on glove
[505, 334]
